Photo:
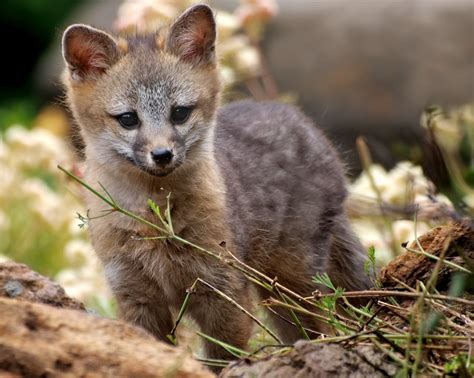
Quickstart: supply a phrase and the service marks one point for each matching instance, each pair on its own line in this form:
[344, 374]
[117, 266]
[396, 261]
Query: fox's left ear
[192, 37]
[88, 52]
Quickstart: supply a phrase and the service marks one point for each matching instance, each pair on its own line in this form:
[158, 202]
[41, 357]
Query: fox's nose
[161, 156]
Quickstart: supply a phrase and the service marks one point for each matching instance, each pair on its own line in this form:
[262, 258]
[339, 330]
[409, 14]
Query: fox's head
[148, 100]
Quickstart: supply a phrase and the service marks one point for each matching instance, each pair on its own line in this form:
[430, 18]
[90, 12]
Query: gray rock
[315, 360]
[20, 282]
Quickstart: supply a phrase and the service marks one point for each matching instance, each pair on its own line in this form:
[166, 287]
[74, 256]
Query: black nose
[161, 156]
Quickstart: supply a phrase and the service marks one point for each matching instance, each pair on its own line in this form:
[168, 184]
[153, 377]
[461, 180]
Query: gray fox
[259, 176]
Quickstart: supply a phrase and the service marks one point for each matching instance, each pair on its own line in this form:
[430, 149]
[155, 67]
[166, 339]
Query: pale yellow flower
[363, 186]
[247, 61]
[370, 236]
[37, 148]
[404, 230]
[78, 252]
[227, 75]
[447, 133]
[227, 25]
[469, 200]
[84, 282]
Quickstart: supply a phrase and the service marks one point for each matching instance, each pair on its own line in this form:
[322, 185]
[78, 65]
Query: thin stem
[293, 316]
[394, 293]
[112, 203]
[182, 310]
[436, 258]
[236, 352]
[274, 302]
[229, 299]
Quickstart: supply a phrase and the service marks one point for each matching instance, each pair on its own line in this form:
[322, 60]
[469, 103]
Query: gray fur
[286, 189]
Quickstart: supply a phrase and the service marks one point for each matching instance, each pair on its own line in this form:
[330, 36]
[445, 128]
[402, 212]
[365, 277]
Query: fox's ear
[192, 36]
[88, 52]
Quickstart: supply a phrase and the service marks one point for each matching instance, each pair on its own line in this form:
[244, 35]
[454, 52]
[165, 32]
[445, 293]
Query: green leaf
[230, 348]
[154, 207]
[324, 280]
[172, 339]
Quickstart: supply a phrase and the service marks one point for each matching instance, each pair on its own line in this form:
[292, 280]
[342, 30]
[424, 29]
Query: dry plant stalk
[429, 336]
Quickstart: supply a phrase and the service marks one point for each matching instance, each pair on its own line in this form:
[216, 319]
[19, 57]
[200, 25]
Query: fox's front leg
[222, 320]
[140, 300]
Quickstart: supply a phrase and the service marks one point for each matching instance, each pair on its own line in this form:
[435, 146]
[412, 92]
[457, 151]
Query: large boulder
[38, 340]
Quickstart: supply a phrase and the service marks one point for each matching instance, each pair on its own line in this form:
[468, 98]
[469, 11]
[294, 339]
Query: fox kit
[258, 176]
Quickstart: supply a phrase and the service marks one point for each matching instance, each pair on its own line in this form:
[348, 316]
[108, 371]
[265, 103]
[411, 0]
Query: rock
[37, 340]
[410, 267]
[20, 282]
[314, 360]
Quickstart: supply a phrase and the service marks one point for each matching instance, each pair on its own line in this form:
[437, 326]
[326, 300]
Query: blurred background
[399, 73]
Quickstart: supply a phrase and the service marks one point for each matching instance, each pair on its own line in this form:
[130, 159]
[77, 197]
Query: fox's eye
[128, 120]
[180, 114]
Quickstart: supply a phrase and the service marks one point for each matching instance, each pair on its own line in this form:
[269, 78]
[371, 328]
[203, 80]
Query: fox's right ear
[193, 35]
[88, 52]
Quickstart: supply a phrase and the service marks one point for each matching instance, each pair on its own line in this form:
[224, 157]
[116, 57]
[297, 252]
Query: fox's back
[285, 184]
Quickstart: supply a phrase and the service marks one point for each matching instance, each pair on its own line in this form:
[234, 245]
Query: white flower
[230, 47]
[404, 230]
[247, 61]
[441, 198]
[73, 228]
[38, 148]
[370, 236]
[227, 76]
[78, 252]
[227, 25]
[363, 186]
[84, 283]
[45, 203]
[400, 186]
[74, 285]
[447, 133]
[8, 179]
[469, 200]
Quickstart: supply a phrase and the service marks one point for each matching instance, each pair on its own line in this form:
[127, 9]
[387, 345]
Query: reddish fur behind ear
[192, 36]
[88, 51]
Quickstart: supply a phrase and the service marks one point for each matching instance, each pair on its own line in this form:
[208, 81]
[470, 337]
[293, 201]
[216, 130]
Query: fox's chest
[148, 242]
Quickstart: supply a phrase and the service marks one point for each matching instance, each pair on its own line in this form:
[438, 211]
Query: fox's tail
[347, 257]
